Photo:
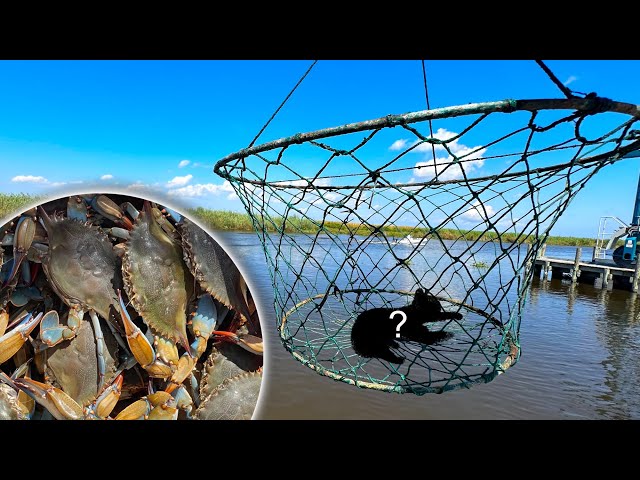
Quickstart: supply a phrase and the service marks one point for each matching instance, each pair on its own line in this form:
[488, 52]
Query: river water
[580, 360]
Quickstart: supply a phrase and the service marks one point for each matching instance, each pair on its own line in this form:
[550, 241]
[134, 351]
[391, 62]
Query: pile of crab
[113, 307]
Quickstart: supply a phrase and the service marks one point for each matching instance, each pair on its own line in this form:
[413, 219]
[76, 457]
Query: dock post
[598, 281]
[549, 271]
[543, 250]
[605, 278]
[576, 269]
[545, 270]
[529, 262]
[636, 273]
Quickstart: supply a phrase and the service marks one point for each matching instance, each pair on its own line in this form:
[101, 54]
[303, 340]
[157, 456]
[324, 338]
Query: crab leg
[25, 231]
[11, 342]
[203, 324]
[26, 272]
[100, 348]
[118, 232]
[129, 360]
[194, 389]
[250, 343]
[131, 210]
[22, 295]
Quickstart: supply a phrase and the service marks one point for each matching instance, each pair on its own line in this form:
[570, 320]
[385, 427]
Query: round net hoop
[361, 223]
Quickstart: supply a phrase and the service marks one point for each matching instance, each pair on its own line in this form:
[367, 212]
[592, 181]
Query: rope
[282, 104]
[426, 94]
[567, 92]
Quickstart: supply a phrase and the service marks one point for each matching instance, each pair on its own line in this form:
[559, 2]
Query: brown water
[580, 360]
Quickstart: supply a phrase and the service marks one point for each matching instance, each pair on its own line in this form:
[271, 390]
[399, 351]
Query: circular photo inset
[116, 307]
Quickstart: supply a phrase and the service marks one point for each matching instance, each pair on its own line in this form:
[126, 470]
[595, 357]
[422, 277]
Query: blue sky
[78, 125]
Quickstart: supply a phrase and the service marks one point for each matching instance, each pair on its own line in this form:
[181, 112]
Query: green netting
[456, 201]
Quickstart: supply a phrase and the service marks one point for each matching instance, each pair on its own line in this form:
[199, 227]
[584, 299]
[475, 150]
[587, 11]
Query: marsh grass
[14, 203]
[240, 222]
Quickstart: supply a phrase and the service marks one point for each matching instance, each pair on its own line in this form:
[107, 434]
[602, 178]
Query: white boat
[408, 240]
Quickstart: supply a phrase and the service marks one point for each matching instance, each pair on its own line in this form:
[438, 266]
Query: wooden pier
[600, 273]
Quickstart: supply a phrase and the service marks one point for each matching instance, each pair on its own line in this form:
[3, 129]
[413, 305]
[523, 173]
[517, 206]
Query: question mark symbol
[404, 319]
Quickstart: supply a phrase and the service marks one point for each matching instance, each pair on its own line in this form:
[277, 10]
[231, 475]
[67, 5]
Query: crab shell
[226, 361]
[81, 264]
[234, 399]
[74, 365]
[156, 278]
[214, 269]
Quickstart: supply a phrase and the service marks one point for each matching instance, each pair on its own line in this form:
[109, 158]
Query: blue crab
[91, 257]
[230, 384]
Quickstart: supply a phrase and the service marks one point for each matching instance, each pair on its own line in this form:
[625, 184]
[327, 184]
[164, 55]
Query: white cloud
[184, 163]
[29, 179]
[478, 213]
[203, 189]
[398, 145]
[470, 158]
[570, 80]
[179, 181]
[108, 176]
[40, 180]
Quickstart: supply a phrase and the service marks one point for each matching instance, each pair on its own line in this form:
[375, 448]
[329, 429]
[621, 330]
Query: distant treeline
[241, 222]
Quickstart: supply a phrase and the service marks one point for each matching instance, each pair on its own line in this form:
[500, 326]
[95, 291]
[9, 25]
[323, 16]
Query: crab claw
[52, 332]
[107, 400]
[22, 240]
[249, 342]
[58, 403]
[11, 342]
[4, 321]
[183, 370]
[6, 379]
[24, 401]
[164, 406]
[156, 406]
[111, 210]
[139, 345]
[138, 410]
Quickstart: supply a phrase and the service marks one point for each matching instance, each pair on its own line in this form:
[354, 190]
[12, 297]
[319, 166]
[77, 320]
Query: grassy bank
[240, 222]
[14, 203]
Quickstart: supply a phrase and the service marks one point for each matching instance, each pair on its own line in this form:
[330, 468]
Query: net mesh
[456, 201]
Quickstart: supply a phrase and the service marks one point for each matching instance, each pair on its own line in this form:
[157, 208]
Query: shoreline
[225, 220]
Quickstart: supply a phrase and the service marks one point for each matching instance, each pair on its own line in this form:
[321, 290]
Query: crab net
[456, 201]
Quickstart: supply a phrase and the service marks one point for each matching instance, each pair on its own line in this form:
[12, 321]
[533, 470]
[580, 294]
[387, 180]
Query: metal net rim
[510, 360]
[588, 105]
